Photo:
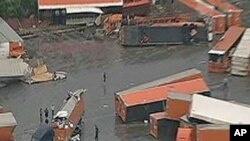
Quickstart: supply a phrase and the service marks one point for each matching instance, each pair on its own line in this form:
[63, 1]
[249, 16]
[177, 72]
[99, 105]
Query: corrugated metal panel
[57, 4]
[8, 32]
[218, 111]
[185, 75]
[84, 10]
[4, 50]
[7, 120]
[71, 103]
[243, 48]
[13, 68]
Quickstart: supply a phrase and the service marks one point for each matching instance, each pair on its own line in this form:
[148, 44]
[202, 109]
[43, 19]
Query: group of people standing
[46, 114]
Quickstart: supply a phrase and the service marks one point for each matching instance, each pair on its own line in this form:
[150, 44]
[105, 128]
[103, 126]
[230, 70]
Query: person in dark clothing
[41, 115]
[104, 77]
[46, 113]
[52, 111]
[96, 133]
[46, 121]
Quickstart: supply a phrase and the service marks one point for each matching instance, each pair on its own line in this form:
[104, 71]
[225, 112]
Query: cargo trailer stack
[200, 10]
[234, 14]
[241, 57]
[219, 60]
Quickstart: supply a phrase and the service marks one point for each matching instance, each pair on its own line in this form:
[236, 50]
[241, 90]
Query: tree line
[17, 8]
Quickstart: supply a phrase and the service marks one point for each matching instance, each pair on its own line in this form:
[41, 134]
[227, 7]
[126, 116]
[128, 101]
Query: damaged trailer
[139, 105]
[218, 111]
[220, 55]
[202, 11]
[186, 75]
[14, 69]
[160, 34]
[234, 14]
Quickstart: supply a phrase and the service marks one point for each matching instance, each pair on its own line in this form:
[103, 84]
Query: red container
[213, 132]
[154, 118]
[177, 105]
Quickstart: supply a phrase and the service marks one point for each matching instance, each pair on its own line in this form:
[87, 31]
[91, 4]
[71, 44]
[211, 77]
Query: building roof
[218, 111]
[160, 93]
[7, 120]
[7, 33]
[224, 5]
[227, 41]
[243, 48]
[202, 8]
[13, 68]
[178, 77]
[57, 4]
[84, 10]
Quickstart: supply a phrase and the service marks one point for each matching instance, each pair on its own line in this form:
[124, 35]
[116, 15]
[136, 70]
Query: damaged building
[75, 12]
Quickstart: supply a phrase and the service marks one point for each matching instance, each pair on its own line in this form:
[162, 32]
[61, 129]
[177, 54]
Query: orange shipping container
[213, 132]
[177, 105]
[138, 105]
[219, 55]
[16, 49]
[234, 14]
[154, 119]
[7, 126]
[184, 134]
[200, 9]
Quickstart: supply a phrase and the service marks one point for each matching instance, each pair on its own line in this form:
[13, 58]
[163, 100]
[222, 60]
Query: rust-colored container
[219, 55]
[7, 126]
[136, 7]
[234, 14]
[177, 105]
[184, 134]
[154, 118]
[213, 132]
[75, 108]
[140, 104]
[200, 9]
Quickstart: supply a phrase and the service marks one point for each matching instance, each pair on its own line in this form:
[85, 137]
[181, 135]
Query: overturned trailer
[67, 122]
[200, 10]
[139, 105]
[234, 14]
[160, 34]
[220, 55]
[218, 111]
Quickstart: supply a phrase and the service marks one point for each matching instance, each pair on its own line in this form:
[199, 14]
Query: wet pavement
[86, 60]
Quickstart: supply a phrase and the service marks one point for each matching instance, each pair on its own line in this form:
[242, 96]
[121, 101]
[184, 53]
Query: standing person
[225, 83]
[104, 77]
[46, 113]
[52, 111]
[41, 115]
[96, 133]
